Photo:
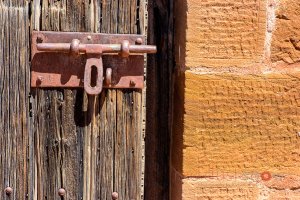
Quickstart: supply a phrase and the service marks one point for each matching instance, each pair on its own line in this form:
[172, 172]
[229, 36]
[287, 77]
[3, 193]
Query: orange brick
[203, 189]
[286, 37]
[284, 195]
[219, 32]
[237, 124]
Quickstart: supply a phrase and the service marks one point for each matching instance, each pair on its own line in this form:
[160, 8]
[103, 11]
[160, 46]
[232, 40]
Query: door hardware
[8, 191]
[70, 59]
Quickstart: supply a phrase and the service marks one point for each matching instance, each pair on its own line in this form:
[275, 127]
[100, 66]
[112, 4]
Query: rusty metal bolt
[74, 48]
[139, 41]
[115, 195]
[8, 190]
[266, 176]
[61, 192]
[125, 49]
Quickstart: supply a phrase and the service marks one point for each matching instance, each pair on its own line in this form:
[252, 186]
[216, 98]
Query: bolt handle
[88, 87]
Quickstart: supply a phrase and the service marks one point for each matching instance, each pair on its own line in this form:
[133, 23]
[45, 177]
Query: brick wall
[236, 132]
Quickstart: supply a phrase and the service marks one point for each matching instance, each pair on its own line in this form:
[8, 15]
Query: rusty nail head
[115, 195]
[132, 83]
[39, 39]
[266, 176]
[61, 192]
[40, 78]
[139, 41]
[8, 190]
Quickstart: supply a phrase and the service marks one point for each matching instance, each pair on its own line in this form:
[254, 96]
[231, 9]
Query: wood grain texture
[14, 101]
[91, 146]
[59, 138]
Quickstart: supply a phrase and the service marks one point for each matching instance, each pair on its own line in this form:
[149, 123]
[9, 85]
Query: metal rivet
[132, 83]
[61, 192]
[89, 37]
[39, 39]
[39, 80]
[8, 190]
[139, 41]
[115, 195]
[266, 176]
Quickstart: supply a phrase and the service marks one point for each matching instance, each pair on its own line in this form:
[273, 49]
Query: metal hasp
[89, 60]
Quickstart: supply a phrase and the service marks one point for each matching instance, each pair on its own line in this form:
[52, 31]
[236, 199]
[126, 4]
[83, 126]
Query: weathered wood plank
[59, 138]
[76, 135]
[72, 137]
[14, 104]
[128, 148]
[128, 143]
[105, 167]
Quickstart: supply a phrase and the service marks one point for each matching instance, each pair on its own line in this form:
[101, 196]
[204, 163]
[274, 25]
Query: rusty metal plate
[54, 69]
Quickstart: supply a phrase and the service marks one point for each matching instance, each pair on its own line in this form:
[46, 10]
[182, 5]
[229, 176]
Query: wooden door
[62, 138]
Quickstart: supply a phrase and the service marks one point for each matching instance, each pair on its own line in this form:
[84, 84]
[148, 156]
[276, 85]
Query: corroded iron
[115, 195]
[8, 190]
[61, 192]
[66, 59]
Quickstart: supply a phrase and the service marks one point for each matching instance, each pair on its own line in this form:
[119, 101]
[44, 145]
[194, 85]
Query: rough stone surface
[220, 32]
[286, 37]
[284, 195]
[236, 100]
[290, 182]
[202, 189]
[237, 124]
[249, 187]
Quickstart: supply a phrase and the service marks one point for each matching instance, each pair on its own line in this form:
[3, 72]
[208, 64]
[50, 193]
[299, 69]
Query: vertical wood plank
[72, 137]
[106, 141]
[75, 135]
[59, 120]
[14, 104]
[127, 142]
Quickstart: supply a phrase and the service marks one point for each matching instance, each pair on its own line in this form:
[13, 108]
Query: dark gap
[118, 16]
[114, 143]
[29, 59]
[94, 75]
[41, 11]
[61, 117]
[138, 28]
[101, 15]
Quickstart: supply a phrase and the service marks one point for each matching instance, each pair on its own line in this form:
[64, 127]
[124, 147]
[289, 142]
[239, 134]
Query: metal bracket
[89, 60]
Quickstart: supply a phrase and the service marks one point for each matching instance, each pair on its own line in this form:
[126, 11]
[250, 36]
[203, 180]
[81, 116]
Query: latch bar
[95, 48]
